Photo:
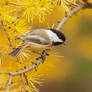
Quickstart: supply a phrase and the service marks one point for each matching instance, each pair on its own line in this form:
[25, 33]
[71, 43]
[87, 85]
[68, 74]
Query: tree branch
[12, 74]
[70, 14]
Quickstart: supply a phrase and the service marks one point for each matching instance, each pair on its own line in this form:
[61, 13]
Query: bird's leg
[43, 56]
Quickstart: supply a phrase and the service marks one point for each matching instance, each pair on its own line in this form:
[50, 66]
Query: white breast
[53, 36]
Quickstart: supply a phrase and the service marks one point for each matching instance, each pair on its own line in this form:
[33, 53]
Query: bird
[39, 40]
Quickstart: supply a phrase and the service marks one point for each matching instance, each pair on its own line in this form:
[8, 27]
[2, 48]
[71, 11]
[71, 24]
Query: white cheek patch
[53, 36]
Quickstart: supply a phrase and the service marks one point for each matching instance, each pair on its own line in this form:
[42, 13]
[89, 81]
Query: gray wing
[37, 39]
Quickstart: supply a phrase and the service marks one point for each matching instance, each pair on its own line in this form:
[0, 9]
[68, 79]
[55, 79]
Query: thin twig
[73, 11]
[24, 75]
[12, 3]
[9, 83]
[8, 38]
[3, 26]
[22, 79]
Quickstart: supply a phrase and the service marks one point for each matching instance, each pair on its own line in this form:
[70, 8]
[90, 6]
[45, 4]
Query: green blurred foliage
[85, 26]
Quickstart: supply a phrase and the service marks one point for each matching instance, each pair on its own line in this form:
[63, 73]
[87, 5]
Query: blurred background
[74, 70]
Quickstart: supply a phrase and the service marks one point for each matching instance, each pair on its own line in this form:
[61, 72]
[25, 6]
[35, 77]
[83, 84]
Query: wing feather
[37, 39]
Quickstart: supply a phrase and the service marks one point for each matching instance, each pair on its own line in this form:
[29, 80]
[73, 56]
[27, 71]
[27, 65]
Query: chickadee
[39, 39]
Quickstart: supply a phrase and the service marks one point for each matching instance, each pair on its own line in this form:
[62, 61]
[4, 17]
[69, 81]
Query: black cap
[59, 34]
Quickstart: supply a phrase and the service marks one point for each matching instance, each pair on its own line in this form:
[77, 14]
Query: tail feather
[15, 53]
